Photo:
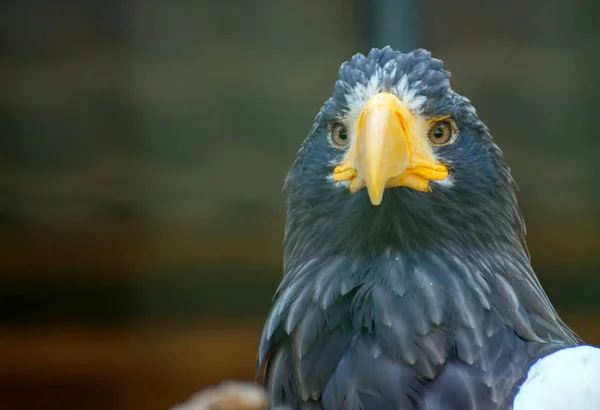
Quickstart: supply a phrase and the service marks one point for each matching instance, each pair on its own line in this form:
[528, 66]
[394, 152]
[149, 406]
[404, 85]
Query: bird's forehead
[415, 78]
[410, 93]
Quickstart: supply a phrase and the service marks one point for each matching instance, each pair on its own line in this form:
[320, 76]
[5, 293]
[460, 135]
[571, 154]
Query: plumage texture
[427, 301]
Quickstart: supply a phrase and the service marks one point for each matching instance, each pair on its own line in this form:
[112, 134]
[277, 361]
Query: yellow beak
[390, 148]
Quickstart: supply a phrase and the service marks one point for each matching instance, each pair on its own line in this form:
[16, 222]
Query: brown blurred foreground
[149, 368]
[121, 368]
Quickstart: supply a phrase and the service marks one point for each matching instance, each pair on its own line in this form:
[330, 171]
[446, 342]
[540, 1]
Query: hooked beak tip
[376, 196]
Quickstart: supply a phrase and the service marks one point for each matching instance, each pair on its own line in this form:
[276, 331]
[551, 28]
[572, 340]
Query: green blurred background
[143, 149]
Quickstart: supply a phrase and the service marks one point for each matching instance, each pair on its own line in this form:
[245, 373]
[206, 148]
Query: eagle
[407, 280]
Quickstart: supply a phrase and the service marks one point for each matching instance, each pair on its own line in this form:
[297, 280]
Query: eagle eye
[441, 132]
[339, 135]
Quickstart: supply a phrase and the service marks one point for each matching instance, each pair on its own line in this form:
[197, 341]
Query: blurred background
[143, 149]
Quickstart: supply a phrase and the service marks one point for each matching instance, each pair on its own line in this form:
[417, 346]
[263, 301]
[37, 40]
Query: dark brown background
[143, 148]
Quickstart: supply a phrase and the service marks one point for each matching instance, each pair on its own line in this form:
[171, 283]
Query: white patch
[360, 93]
[408, 94]
[391, 67]
[446, 183]
[567, 379]
[335, 162]
[341, 184]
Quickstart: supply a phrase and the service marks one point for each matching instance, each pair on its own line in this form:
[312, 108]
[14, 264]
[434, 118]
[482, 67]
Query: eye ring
[338, 134]
[442, 132]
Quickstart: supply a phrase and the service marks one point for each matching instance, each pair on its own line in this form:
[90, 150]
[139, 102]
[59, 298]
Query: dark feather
[404, 330]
